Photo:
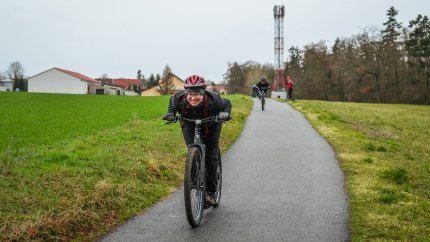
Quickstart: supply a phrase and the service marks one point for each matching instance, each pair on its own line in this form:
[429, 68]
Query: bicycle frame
[262, 93]
[198, 142]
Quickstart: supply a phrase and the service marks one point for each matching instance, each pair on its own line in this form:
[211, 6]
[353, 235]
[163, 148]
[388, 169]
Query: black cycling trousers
[211, 140]
[290, 94]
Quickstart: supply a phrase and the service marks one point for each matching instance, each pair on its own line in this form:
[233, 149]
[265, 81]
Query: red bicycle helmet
[195, 82]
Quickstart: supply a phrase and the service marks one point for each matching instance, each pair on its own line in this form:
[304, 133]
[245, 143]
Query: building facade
[6, 85]
[58, 80]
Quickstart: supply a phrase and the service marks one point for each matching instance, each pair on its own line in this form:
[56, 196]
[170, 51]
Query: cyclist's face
[194, 98]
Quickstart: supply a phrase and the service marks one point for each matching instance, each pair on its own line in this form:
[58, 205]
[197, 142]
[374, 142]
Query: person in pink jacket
[289, 88]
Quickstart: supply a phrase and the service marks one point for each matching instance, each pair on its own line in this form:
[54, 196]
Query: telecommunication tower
[278, 82]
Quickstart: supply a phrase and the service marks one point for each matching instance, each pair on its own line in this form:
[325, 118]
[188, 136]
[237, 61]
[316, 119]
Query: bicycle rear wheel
[194, 187]
[219, 181]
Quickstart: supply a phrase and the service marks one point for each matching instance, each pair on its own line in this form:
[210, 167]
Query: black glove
[223, 116]
[169, 117]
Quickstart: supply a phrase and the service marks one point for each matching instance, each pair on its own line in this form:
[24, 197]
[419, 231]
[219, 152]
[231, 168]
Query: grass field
[41, 119]
[74, 166]
[385, 153]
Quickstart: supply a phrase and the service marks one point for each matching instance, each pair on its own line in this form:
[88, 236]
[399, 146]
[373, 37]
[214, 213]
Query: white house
[106, 90]
[6, 85]
[58, 80]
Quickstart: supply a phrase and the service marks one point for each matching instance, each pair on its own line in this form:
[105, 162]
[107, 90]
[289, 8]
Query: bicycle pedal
[206, 205]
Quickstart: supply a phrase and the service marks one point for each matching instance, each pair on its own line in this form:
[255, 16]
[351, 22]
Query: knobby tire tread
[192, 152]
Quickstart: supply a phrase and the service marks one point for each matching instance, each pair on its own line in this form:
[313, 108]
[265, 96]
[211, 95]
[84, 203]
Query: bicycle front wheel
[263, 101]
[194, 187]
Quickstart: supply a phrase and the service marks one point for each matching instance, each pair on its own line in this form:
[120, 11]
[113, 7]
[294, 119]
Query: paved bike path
[281, 182]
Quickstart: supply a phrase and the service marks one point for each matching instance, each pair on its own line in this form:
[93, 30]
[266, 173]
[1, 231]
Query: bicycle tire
[219, 181]
[193, 181]
[263, 101]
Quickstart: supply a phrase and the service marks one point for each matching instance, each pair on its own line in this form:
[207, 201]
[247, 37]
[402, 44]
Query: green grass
[385, 153]
[38, 119]
[79, 165]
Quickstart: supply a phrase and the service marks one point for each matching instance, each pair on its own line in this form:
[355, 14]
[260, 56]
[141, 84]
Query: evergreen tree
[151, 81]
[391, 56]
[166, 83]
[418, 46]
[139, 74]
[235, 78]
[391, 32]
[293, 67]
[418, 43]
[139, 89]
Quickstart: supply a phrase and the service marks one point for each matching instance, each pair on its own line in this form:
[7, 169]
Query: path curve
[281, 182]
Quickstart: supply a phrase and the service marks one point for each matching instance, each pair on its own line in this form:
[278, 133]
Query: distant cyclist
[262, 86]
[197, 103]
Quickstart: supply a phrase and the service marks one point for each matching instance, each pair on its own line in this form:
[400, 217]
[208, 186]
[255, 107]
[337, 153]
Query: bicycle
[195, 174]
[262, 96]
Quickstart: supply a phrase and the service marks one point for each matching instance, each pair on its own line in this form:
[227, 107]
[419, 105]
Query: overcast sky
[118, 37]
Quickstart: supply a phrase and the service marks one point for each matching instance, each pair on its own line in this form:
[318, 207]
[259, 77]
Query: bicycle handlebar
[205, 120]
[264, 88]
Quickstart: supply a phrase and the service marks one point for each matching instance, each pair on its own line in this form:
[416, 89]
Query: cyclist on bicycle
[262, 86]
[197, 103]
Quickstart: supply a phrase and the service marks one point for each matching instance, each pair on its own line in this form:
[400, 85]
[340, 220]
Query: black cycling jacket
[211, 105]
[261, 85]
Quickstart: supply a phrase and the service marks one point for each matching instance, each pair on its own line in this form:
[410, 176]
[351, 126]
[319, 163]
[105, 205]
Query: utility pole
[279, 90]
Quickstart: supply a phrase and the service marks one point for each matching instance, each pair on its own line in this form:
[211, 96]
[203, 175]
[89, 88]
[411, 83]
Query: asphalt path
[281, 182]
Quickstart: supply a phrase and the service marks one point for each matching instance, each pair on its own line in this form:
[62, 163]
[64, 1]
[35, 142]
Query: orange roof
[78, 75]
[121, 82]
[218, 87]
[124, 83]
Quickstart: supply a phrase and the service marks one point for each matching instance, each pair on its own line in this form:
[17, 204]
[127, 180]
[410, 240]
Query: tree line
[383, 65]
[240, 77]
[152, 80]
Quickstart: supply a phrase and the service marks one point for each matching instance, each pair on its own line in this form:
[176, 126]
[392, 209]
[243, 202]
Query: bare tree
[371, 62]
[343, 65]
[15, 72]
[317, 66]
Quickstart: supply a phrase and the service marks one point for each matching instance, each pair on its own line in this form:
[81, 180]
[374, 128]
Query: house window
[100, 91]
